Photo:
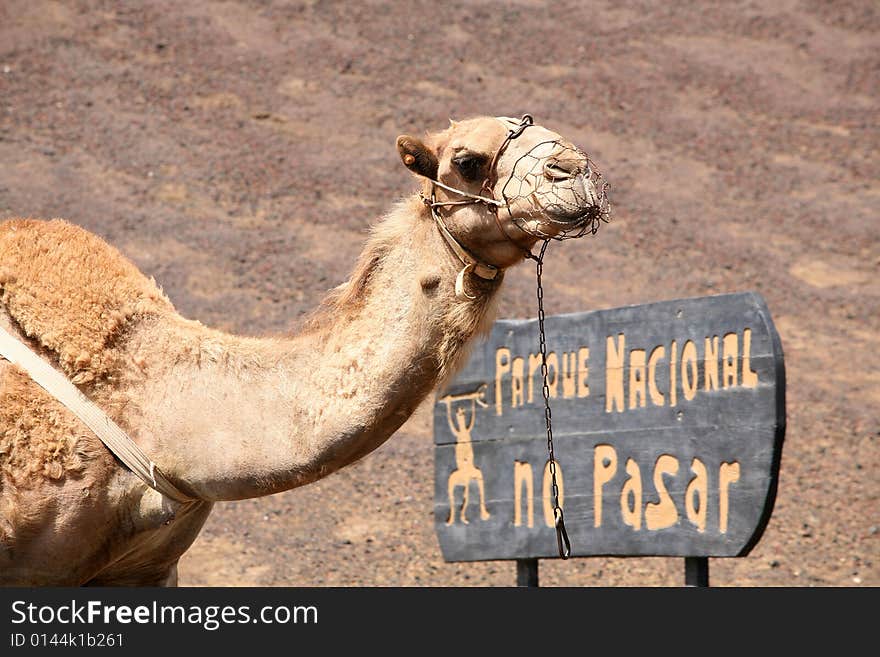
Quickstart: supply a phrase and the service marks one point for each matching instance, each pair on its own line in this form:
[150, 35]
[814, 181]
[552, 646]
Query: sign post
[696, 571]
[668, 418]
[526, 572]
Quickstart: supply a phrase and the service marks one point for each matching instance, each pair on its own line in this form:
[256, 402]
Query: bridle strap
[475, 198]
[526, 121]
[113, 437]
[471, 263]
[481, 269]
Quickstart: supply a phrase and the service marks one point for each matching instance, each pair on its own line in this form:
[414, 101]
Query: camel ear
[417, 157]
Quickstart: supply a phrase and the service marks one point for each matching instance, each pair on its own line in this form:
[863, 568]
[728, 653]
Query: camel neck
[242, 417]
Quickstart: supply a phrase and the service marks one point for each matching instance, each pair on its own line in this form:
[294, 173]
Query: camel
[228, 417]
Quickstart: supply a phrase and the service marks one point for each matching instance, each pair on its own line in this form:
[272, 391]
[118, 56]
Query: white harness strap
[487, 272]
[115, 439]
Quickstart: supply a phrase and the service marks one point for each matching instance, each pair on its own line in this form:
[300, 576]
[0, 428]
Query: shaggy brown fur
[39, 436]
[71, 292]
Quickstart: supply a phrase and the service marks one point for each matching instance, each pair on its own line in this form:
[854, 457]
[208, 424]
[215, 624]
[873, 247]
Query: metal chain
[561, 535]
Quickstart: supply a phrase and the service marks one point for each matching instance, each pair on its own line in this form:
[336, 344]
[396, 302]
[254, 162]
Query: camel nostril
[561, 169]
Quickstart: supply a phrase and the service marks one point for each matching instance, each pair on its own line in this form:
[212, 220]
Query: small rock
[774, 563]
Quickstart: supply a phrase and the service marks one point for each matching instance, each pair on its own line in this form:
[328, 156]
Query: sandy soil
[237, 152]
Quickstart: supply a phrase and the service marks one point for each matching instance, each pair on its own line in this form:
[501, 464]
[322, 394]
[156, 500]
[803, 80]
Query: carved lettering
[547, 493]
[522, 477]
[502, 367]
[710, 364]
[534, 366]
[631, 511]
[604, 467]
[553, 373]
[657, 354]
[662, 514]
[730, 355]
[749, 376]
[637, 392]
[728, 474]
[614, 357]
[696, 495]
[689, 370]
[583, 388]
[516, 382]
[569, 374]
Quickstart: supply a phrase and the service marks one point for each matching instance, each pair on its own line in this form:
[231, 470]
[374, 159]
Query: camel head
[499, 185]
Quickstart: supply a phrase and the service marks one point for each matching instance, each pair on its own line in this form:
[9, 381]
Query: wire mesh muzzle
[555, 192]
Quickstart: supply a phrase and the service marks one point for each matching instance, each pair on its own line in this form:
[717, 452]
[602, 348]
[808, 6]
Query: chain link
[561, 535]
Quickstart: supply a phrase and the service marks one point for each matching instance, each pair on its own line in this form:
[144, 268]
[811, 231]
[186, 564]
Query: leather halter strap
[471, 263]
[113, 437]
[483, 270]
[526, 121]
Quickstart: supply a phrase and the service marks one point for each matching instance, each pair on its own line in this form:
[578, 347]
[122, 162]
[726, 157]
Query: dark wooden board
[733, 428]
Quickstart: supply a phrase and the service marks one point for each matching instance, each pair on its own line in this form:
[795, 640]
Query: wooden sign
[668, 421]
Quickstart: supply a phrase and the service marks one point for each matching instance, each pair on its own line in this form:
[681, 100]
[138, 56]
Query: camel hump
[71, 291]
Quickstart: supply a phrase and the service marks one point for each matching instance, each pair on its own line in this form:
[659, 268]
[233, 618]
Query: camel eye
[469, 165]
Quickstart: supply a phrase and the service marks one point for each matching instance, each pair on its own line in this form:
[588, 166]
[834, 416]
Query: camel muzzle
[556, 192]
